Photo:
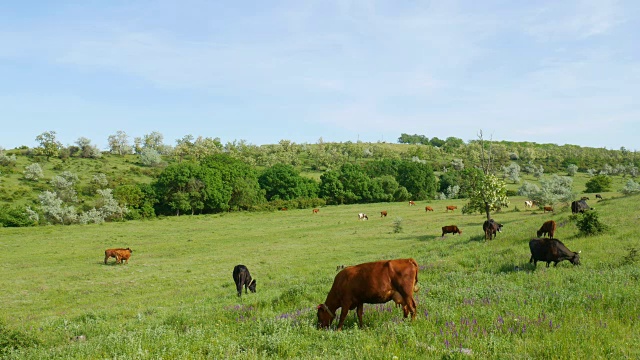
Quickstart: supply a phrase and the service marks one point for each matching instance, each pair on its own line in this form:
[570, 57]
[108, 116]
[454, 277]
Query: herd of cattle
[382, 281]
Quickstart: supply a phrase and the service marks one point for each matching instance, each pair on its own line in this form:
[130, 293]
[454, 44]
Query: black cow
[579, 206]
[598, 196]
[242, 278]
[491, 228]
[549, 250]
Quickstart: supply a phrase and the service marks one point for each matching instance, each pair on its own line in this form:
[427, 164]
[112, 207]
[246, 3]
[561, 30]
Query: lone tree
[486, 192]
[49, 145]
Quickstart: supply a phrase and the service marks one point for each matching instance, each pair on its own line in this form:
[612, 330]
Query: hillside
[176, 297]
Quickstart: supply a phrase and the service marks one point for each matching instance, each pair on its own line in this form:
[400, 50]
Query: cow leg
[118, 259]
[343, 316]
[105, 259]
[359, 311]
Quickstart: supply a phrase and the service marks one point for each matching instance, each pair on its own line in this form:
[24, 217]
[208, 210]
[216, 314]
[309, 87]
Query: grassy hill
[176, 297]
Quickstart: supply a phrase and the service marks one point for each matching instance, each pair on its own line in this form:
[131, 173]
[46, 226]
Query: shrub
[33, 172]
[589, 224]
[631, 187]
[397, 225]
[14, 217]
[150, 157]
[598, 183]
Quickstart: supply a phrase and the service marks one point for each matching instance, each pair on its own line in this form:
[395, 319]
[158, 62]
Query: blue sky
[563, 72]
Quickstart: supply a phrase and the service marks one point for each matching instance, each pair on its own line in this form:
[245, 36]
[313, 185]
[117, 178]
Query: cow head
[252, 285]
[575, 260]
[325, 316]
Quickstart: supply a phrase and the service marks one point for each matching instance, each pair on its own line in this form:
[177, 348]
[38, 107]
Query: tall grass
[176, 298]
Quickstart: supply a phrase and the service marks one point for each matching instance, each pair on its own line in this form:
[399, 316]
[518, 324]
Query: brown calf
[451, 207]
[315, 211]
[119, 253]
[411, 203]
[428, 208]
[547, 208]
[451, 229]
[383, 213]
[549, 228]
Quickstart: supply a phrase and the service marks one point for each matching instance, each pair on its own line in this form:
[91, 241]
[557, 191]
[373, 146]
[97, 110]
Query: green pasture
[176, 298]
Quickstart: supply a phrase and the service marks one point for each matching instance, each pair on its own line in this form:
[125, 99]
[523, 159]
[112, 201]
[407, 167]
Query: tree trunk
[487, 210]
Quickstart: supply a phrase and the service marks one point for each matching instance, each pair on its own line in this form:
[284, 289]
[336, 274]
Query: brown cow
[547, 208]
[315, 211]
[383, 213]
[370, 283]
[549, 228]
[283, 209]
[451, 229]
[451, 207]
[428, 208]
[411, 203]
[119, 253]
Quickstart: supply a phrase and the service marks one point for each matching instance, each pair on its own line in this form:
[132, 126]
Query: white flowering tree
[486, 194]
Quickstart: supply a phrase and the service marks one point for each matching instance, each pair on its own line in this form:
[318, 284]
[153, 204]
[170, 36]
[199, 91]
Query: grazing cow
[411, 203]
[549, 228]
[451, 207]
[491, 228]
[547, 208]
[119, 253]
[283, 209]
[315, 211]
[549, 250]
[451, 229]
[584, 198]
[383, 213]
[242, 278]
[579, 206]
[370, 283]
[598, 196]
[528, 204]
[363, 216]
[428, 208]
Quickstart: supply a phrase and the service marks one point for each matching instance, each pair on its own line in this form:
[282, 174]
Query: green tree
[598, 183]
[49, 145]
[241, 188]
[331, 188]
[282, 181]
[418, 179]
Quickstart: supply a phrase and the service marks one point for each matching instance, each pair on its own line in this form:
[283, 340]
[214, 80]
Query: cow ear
[319, 307]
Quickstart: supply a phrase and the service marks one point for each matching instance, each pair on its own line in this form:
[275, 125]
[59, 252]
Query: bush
[631, 187]
[598, 183]
[14, 217]
[33, 172]
[150, 157]
[589, 224]
[397, 225]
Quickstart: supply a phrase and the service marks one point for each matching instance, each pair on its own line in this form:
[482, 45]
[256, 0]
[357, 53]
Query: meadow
[176, 298]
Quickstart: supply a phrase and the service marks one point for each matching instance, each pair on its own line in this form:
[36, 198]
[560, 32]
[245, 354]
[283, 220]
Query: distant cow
[428, 208]
[451, 207]
[579, 206]
[528, 204]
[451, 229]
[283, 209]
[370, 283]
[383, 213]
[547, 208]
[411, 203]
[584, 198]
[549, 228]
[242, 277]
[491, 228]
[549, 250]
[120, 254]
[363, 216]
[315, 211]
[598, 196]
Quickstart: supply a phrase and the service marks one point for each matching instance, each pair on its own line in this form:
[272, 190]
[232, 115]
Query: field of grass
[176, 298]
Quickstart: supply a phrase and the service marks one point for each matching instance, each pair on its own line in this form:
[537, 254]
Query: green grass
[176, 298]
